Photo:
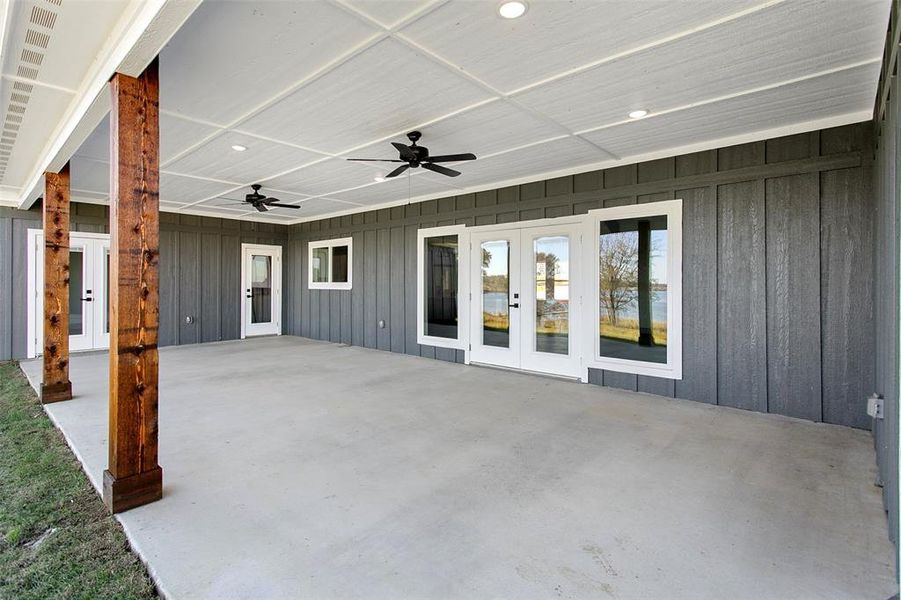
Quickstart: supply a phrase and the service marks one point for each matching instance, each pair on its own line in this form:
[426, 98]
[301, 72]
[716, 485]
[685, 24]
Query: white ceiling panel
[684, 71]
[541, 158]
[296, 82]
[324, 177]
[389, 12]
[176, 135]
[88, 174]
[185, 190]
[398, 188]
[486, 129]
[321, 206]
[553, 36]
[804, 101]
[217, 160]
[232, 56]
[386, 89]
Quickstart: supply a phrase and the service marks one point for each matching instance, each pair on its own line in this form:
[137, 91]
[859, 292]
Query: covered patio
[299, 468]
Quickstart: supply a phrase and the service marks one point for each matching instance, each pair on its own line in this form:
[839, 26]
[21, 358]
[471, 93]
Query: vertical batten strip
[56, 385]
[134, 478]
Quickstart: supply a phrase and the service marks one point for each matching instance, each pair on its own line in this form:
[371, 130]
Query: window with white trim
[637, 285]
[330, 264]
[442, 256]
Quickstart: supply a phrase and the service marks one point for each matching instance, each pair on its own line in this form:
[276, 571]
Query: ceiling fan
[418, 156]
[263, 203]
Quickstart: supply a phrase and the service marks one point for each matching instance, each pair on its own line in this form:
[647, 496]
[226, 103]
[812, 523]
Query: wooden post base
[130, 492]
[56, 392]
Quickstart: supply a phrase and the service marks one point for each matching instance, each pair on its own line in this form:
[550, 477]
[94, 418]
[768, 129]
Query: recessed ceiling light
[638, 114]
[239, 148]
[512, 10]
[380, 179]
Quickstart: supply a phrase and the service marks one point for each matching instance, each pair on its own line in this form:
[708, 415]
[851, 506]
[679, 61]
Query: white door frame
[94, 337]
[274, 327]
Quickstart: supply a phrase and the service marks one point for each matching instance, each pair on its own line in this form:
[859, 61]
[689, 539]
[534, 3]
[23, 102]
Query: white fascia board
[142, 31]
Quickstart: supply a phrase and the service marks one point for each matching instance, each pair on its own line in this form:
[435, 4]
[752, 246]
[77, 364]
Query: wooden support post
[56, 385]
[134, 478]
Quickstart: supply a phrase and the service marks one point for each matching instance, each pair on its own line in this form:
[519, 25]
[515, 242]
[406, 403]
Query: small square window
[330, 264]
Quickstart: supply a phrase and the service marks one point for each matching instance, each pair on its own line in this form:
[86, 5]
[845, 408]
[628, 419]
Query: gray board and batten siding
[200, 269]
[887, 193]
[777, 269]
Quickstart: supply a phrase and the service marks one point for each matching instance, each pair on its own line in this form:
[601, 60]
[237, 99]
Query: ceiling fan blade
[283, 206]
[440, 169]
[261, 207]
[397, 171]
[375, 159]
[452, 157]
[405, 152]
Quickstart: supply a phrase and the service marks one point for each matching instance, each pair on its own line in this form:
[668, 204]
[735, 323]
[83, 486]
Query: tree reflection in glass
[632, 280]
[551, 255]
[496, 293]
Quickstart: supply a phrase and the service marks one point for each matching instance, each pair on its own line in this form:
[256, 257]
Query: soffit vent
[36, 38]
[27, 72]
[32, 57]
[41, 17]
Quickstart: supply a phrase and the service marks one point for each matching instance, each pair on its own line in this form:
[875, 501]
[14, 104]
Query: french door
[525, 295]
[88, 291]
[261, 290]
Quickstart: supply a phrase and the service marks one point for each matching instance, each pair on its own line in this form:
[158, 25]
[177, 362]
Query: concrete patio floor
[303, 469]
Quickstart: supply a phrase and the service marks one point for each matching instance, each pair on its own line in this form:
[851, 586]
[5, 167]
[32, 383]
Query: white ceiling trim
[793, 129]
[40, 84]
[131, 26]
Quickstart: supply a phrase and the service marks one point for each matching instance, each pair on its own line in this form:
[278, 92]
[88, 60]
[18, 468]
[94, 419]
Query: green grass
[56, 538]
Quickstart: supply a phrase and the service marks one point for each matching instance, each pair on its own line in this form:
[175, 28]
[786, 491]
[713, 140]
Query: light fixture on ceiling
[380, 178]
[512, 10]
[239, 148]
[638, 114]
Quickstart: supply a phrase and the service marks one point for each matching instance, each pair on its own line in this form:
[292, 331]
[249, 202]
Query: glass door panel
[551, 258]
[76, 291]
[495, 299]
[261, 289]
[496, 293]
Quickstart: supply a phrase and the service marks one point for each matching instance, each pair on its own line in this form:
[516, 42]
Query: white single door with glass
[261, 290]
[525, 296]
[88, 291]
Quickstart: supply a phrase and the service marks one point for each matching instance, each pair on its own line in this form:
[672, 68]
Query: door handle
[87, 299]
[514, 305]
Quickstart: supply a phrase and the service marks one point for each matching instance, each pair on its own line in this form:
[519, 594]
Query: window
[441, 285]
[330, 264]
[638, 289]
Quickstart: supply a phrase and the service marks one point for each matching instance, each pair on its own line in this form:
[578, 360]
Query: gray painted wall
[200, 268]
[886, 188]
[778, 265]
